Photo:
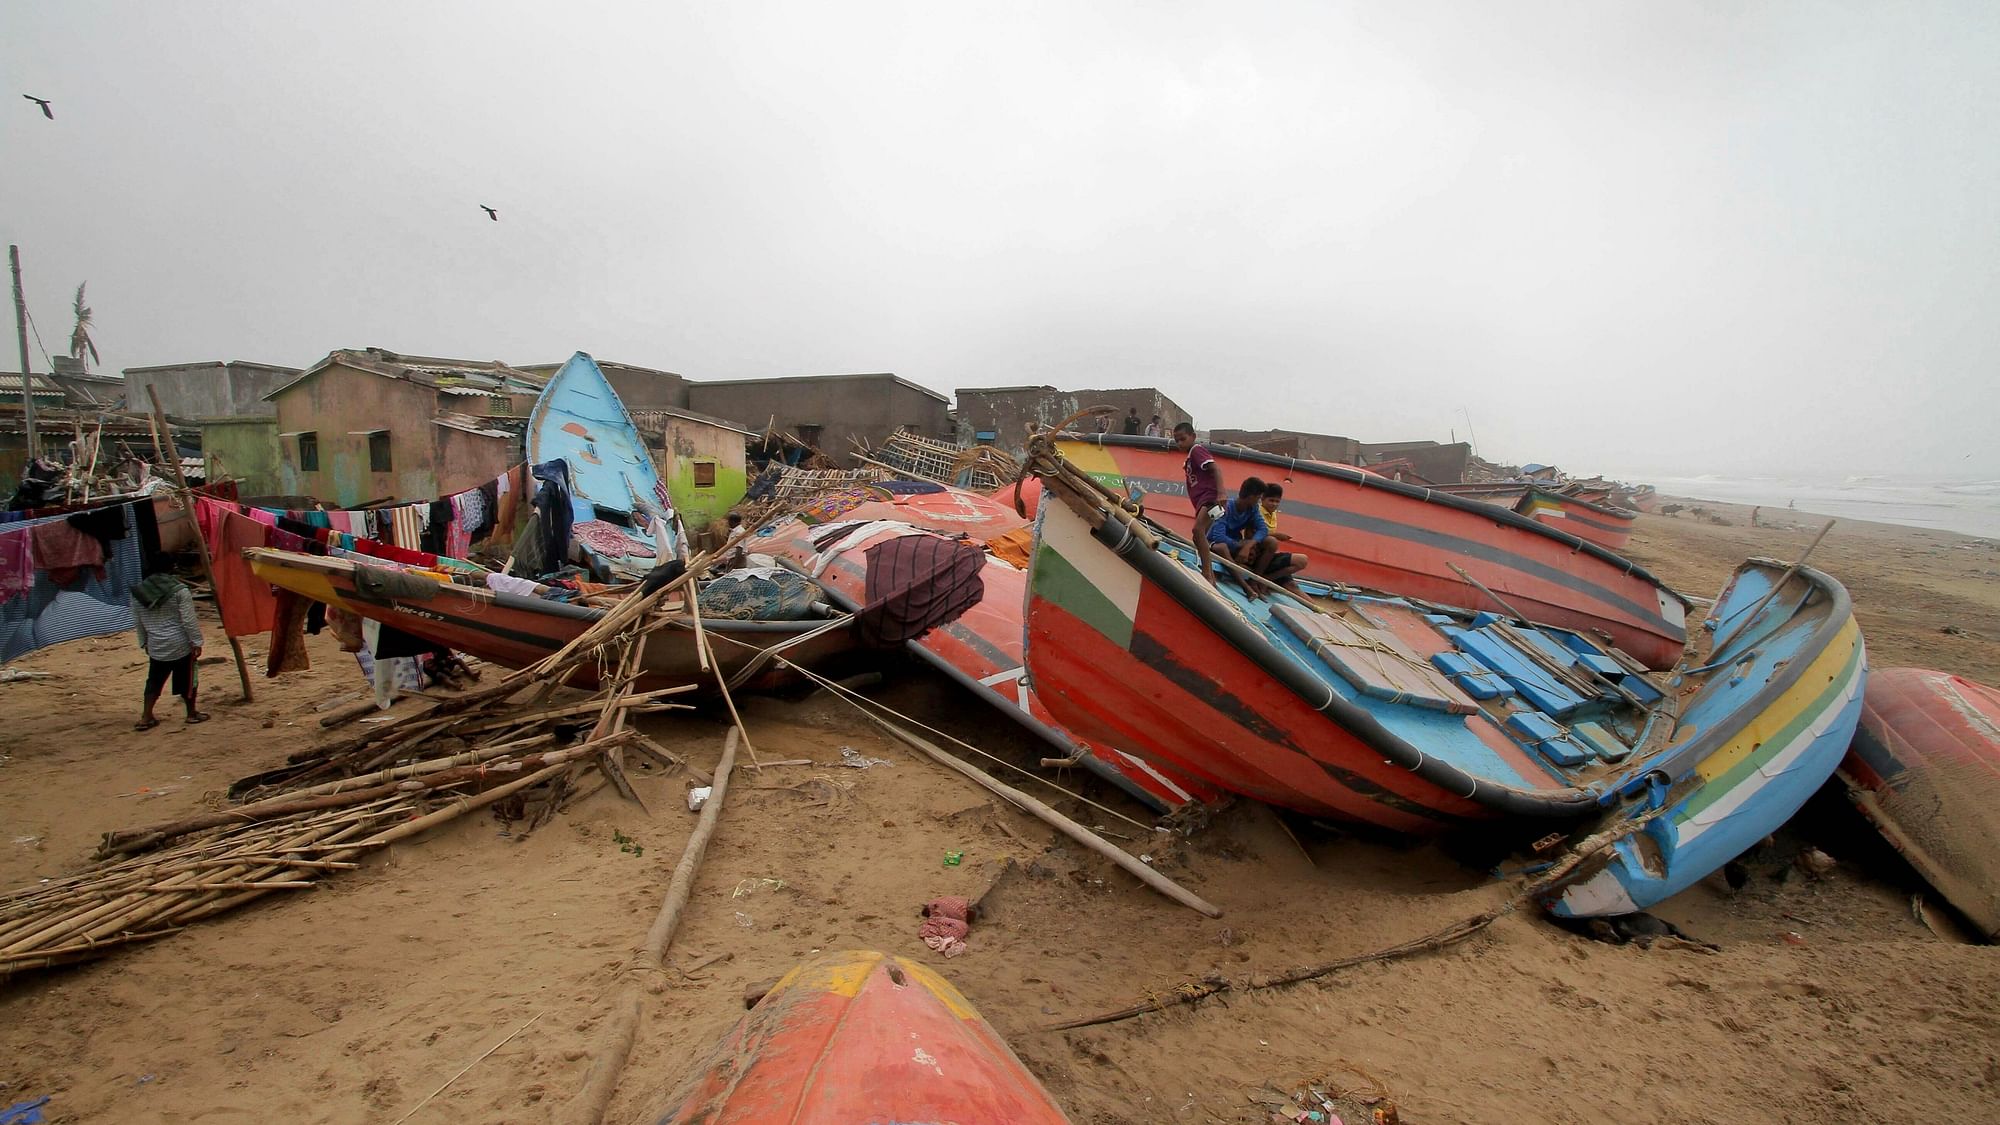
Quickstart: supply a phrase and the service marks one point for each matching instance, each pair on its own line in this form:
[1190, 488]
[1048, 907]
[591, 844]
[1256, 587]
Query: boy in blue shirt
[1239, 532]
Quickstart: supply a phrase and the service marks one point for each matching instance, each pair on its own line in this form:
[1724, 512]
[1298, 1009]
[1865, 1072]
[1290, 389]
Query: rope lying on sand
[1445, 936]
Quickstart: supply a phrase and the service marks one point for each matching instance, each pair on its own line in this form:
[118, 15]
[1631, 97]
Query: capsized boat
[1608, 527]
[516, 630]
[622, 518]
[1360, 529]
[861, 1038]
[981, 650]
[1925, 770]
[1386, 711]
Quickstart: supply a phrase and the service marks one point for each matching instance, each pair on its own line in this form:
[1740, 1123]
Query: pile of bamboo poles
[465, 753]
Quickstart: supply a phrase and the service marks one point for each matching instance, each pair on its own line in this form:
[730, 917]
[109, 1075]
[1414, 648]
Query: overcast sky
[1717, 237]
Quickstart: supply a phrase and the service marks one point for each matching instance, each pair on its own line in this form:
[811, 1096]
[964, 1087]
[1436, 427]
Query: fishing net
[760, 594]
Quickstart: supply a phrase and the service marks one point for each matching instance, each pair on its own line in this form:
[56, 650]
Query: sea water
[1968, 507]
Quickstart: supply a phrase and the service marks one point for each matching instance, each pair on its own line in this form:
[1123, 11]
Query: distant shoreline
[1976, 517]
[1777, 517]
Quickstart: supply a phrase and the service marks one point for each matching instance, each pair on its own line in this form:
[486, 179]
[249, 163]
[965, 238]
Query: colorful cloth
[916, 583]
[92, 607]
[833, 505]
[64, 551]
[244, 601]
[946, 924]
[607, 540]
[17, 565]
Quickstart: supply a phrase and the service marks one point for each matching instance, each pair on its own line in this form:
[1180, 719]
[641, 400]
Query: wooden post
[164, 444]
[21, 332]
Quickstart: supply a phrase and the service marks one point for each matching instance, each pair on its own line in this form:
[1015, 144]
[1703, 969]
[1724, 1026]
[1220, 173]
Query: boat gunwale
[1348, 475]
[293, 560]
[1092, 762]
[1572, 801]
[1626, 514]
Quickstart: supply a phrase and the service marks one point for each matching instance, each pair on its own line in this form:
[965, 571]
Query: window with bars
[378, 452]
[309, 452]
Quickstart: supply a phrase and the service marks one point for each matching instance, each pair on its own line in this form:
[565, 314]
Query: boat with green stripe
[1418, 719]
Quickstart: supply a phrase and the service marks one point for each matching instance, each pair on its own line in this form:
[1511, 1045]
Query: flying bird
[44, 103]
[490, 212]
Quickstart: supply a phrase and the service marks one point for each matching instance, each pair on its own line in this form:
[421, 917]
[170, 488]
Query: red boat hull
[1925, 768]
[1610, 528]
[982, 650]
[514, 631]
[1363, 531]
[861, 1039]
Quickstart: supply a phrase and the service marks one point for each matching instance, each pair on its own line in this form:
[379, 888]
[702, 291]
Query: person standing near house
[1153, 427]
[1204, 490]
[170, 636]
[1131, 426]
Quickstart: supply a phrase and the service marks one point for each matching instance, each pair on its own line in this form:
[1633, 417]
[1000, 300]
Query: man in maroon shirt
[1204, 489]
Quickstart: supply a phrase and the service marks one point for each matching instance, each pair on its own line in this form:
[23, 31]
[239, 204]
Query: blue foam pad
[1562, 752]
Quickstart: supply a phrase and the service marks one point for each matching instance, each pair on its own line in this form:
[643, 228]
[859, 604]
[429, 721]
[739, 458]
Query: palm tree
[79, 337]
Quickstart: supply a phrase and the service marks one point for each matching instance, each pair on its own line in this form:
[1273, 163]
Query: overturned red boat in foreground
[1925, 769]
[861, 1038]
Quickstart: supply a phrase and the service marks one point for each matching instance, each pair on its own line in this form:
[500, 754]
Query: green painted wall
[246, 448]
[688, 443]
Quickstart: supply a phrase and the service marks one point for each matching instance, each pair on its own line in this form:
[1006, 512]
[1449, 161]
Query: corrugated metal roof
[465, 423]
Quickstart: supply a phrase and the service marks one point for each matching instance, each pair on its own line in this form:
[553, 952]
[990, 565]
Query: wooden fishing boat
[1925, 770]
[859, 1038]
[981, 650]
[622, 518]
[1388, 712]
[1610, 528]
[515, 630]
[1359, 529]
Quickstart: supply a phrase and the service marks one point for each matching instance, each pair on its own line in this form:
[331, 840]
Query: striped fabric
[90, 607]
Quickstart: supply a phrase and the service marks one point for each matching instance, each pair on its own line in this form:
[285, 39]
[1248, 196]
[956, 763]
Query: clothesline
[64, 577]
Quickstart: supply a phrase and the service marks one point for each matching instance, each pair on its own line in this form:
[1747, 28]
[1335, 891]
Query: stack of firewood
[509, 741]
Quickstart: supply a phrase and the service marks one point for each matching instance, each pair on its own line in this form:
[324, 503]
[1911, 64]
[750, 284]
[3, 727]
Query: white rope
[856, 700]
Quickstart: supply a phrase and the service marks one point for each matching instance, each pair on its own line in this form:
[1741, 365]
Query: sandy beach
[1828, 1001]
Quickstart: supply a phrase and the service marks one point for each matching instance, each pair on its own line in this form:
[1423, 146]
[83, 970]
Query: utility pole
[1469, 432]
[21, 332]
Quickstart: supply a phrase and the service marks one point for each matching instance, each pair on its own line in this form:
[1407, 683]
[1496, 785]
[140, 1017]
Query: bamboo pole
[1055, 819]
[1775, 587]
[172, 457]
[619, 1032]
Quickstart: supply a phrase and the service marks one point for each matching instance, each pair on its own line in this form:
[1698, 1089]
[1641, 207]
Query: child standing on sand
[170, 636]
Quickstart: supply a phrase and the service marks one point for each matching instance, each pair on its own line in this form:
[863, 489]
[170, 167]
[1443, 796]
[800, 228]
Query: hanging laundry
[101, 524]
[65, 552]
[95, 604]
[244, 601]
[437, 525]
[288, 634]
[17, 565]
[552, 505]
[409, 527]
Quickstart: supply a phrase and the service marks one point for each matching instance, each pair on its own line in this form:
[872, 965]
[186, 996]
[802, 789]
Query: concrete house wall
[1441, 463]
[1295, 443]
[1007, 412]
[212, 389]
[639, 388]
[844, 407]
[339, 404]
